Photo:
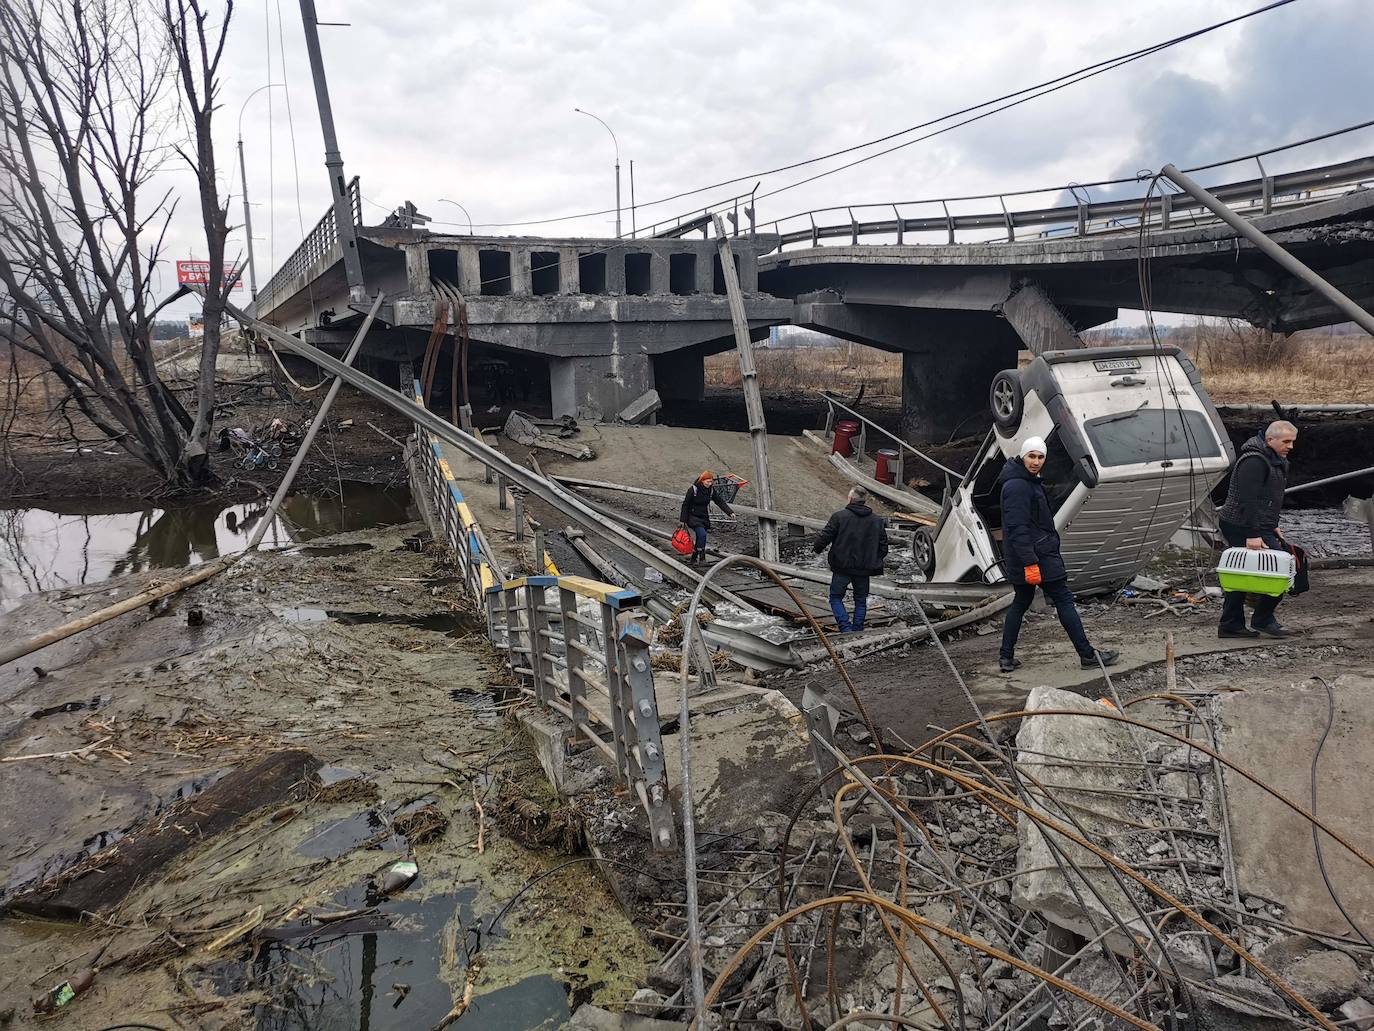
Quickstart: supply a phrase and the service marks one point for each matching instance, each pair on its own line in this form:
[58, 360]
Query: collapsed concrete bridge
[597, 322]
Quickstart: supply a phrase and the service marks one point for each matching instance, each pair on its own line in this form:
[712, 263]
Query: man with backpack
[857, 540]
[1250, 518]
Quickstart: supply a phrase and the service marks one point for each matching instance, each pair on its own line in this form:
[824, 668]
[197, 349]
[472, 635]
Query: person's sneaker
[1008, 665]
[1240, 633]
[1108, 657]
[1275, 629]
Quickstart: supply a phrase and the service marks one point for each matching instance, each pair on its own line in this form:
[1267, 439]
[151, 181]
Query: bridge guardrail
[1262, 195]
[578, 647]
[319, 242]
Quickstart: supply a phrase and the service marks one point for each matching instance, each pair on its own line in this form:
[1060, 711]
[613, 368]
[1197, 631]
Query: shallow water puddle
[380, 971]
[82, 542]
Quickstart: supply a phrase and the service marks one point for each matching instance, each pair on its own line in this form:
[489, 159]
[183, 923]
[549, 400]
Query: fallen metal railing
[581, 648]
[563, 636]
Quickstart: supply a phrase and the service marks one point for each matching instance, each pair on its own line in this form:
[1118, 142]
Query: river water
[86, 542]
[1326, 532]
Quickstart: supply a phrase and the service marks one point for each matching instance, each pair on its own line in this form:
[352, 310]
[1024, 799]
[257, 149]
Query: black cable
[1025, 93]
[119, 1027]
[1316, 839]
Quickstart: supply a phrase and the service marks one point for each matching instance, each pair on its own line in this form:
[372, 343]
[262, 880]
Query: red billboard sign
[197, 273]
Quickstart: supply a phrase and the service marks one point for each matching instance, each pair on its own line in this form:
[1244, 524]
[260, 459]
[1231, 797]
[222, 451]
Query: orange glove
[1033, 575]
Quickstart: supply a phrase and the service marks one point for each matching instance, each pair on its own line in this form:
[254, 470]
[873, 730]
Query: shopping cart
[727, 487]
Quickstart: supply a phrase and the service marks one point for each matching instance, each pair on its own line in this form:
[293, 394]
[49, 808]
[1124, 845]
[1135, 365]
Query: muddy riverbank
[360, 654]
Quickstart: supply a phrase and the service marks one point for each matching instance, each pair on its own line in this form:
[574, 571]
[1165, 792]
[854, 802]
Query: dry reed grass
[803, 369]
[1239, 364]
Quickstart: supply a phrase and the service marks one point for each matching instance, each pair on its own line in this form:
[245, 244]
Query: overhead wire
[1007, 100]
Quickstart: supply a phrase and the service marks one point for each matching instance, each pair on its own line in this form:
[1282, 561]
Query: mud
[912, 691]
[395, 686]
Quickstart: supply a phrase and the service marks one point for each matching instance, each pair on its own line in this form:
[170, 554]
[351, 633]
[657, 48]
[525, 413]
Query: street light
[617, 167]
[243, 174]
[445, 200]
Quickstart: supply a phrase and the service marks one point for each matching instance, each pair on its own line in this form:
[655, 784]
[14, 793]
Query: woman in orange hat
[696, 512]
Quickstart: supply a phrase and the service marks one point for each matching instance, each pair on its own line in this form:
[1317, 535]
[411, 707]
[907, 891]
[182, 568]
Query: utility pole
[634, 230]
[753, 401]
[616, 143]
[248, 228]
[333, 160]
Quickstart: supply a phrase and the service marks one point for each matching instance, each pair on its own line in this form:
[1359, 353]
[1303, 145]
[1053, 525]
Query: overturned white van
[1134, 447]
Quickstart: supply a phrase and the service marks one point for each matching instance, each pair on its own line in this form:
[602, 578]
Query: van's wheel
[1007, 399]
[923, 551]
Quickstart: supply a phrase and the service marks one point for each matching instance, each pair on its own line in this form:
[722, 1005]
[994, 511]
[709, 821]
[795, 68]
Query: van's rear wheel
[1007, 399]
[923, 550]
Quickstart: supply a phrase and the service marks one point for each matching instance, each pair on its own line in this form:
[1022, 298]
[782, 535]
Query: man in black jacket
[858, 544]
[1250, 517]
[1030, 552]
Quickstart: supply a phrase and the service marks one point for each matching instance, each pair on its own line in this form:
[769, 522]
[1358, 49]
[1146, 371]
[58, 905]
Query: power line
[1034, 91]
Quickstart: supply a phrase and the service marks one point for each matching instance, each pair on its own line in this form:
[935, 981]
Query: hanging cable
[1024, 94]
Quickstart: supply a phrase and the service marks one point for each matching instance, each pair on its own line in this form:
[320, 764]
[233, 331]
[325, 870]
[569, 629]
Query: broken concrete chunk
[1098, 781]
[638, 410]
[1359, 1013]
[1236, 994]
[1325, 978]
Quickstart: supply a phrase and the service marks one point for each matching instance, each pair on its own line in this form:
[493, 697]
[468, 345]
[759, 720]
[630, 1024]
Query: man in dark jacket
[1250, 518]
[857, 540]
[1030, 552]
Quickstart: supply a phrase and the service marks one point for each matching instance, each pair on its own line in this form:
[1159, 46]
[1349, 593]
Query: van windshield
[1152, 435]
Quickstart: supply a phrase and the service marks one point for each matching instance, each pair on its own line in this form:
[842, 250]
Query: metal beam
[1272, 250]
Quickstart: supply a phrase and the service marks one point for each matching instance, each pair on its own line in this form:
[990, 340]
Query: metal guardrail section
[567, 637]
[320, 242]
[1261, 196]
[564, 635]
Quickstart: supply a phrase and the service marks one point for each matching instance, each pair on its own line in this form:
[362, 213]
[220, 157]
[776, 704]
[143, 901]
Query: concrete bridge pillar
[948, 359]
[591, 387]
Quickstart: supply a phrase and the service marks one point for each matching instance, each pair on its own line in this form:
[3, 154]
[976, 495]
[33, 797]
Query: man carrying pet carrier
[1250, 518]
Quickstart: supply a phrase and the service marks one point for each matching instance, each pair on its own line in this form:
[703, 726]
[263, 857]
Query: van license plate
[1117, 365]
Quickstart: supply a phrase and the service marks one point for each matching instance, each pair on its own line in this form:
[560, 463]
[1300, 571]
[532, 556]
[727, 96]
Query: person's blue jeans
[700, 533]
[1059, 595]
[839, 583]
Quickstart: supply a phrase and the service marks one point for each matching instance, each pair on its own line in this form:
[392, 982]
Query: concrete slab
[1089, 779]
[1273, 731]
[670, 458]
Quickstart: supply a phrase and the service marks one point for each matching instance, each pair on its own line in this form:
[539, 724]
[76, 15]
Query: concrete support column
[680, 375]
[658, 272]
[706, 270]
[569, 271]
[748, 273]
[417, 269]
[615, 270]
[520, 273]
[469, 271]
[598, 386]
[945, 391]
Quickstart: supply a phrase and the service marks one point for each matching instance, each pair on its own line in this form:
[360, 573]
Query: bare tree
[197, 47]
[87, 119]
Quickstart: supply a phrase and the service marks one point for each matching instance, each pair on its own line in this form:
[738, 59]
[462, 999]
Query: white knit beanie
[1032, 444]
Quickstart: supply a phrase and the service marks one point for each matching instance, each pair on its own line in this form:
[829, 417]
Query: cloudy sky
[474, 102]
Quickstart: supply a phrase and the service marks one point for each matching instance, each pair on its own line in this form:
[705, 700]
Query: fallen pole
[1332, 479]
[1340, 301]
[753, 401]
[136, 601]
[321, 414]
